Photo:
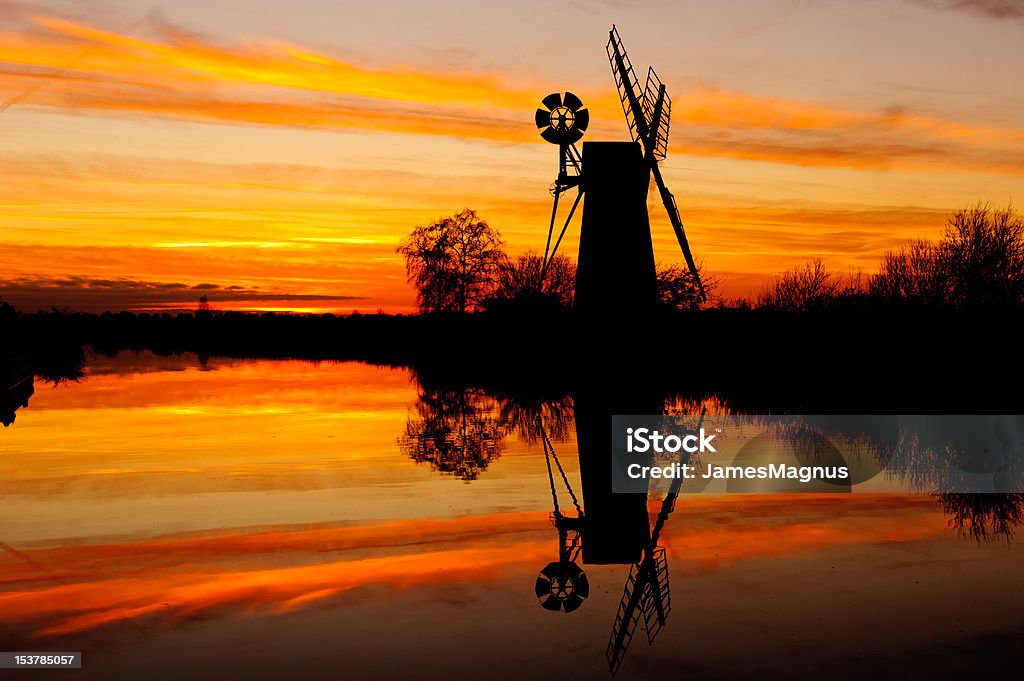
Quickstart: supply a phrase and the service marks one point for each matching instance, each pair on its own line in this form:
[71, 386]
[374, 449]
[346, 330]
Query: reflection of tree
[984, 517]
[531, 419]
[61, 364]
[456, 431]
[460, 431]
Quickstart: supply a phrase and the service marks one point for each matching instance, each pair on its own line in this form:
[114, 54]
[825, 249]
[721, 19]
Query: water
[174, 518]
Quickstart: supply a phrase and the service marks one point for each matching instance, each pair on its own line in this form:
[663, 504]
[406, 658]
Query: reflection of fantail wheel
[562, 586]
[562, 119]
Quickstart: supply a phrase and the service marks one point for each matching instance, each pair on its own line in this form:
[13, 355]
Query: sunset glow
[175, 577]
[151, 158]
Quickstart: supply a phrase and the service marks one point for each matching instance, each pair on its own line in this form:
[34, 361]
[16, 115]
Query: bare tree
[983, 254]
[978, 262]
[801, 289]
[911, 274]
[452, 262]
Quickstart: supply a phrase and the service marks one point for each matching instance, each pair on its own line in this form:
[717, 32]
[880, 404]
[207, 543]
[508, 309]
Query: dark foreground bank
[845, 361]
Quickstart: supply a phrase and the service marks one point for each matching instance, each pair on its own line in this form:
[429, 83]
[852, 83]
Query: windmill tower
[615, 271]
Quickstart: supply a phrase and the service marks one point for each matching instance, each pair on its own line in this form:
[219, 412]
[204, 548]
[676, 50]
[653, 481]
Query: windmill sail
[626, 620]
[645, 596]
[654, 90]
[647, 117]
[628, 86]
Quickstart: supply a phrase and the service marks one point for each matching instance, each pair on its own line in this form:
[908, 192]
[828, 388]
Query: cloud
[97, 294]
[182, 58]
[78, 68]
[996, 9]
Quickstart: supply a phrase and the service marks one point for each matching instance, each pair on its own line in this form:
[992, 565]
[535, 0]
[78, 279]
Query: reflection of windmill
[16, 383]
[609, 529]
[616, 259]
[562, 585]
[646, 594]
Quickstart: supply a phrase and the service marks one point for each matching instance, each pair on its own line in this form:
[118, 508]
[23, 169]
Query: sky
[272, 155]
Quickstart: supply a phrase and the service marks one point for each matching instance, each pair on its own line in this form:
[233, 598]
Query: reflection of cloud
[738, 527]
[85, 293]
[82, 587]
[91, 586]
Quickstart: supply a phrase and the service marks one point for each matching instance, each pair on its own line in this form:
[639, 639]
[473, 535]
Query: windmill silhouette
[646, 595]
[16, 383]
[616, 256]
[609, 528]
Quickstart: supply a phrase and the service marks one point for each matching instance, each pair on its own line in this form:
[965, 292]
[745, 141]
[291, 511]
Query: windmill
[562, 120]
[646, 595]
[616, 261]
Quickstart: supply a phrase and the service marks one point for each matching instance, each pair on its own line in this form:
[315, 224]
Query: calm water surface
[174, 518]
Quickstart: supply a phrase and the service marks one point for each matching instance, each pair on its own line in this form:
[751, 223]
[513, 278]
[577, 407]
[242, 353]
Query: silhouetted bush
[812, 288]
[678, 288]
[524, 281]
[979, 262]
[802, 289]
[911, 274]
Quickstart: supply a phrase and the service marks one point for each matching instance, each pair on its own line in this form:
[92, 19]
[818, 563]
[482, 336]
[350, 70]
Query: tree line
[978, 262]
[458, 264]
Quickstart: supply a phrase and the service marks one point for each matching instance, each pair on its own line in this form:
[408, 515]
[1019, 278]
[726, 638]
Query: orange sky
[151, 158]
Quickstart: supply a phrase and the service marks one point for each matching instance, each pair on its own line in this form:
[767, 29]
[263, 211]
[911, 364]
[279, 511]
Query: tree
[7, 313]
[677, 287]
[911, 274]
[519, 280]
[982, 252]
[452, 262]
[203, 309]
[801, 289]
[978, 262]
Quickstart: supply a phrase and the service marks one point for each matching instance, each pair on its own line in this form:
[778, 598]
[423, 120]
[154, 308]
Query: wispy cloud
[94, 294]
[74, 67]
[996, 9]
